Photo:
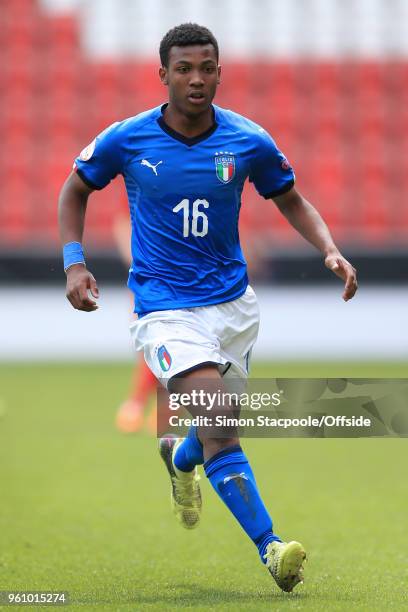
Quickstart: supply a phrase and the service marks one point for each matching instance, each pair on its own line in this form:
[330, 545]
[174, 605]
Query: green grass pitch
[86, 510]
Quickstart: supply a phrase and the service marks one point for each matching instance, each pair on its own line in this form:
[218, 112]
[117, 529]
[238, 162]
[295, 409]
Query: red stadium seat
[343, 125]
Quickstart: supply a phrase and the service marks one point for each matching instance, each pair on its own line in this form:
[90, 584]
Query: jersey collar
[187, 141]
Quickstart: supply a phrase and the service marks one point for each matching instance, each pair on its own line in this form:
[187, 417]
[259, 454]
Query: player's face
[192, 77]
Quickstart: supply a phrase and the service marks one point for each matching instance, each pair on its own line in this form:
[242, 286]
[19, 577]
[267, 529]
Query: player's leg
[228, 469]
[232, 478]
[225, 463]
[239, 333]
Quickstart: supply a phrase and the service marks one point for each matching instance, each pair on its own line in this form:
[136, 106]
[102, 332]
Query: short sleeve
[270, 171]
[101, 160]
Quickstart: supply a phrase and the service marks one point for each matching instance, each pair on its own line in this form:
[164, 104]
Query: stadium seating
[342, 124]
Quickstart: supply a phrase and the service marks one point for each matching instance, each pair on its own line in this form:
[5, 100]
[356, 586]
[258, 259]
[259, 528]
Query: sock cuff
[230, 455]
[262, 542]
[192, 434]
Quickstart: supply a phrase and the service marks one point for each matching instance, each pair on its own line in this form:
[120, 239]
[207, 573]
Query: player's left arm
[308, 222]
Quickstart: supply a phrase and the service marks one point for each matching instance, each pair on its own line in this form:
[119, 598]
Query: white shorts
[175, 341]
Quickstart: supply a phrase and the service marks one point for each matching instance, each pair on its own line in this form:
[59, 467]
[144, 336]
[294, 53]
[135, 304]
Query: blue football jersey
[185, 196]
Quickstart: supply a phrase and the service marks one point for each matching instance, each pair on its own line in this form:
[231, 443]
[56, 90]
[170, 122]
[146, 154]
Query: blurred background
[327, 78]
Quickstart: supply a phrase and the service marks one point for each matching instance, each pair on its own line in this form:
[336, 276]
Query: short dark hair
[184, 35]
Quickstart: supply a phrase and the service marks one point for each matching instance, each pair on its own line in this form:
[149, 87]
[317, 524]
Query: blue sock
[231, 476]
[189, 453]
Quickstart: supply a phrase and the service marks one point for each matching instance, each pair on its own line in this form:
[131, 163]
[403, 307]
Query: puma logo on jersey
[144, 162]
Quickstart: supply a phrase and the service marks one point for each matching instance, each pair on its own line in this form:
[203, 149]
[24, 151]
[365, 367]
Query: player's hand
[79, 283]
[344, 270]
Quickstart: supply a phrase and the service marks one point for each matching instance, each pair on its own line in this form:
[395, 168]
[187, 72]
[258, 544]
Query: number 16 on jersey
[199, 220]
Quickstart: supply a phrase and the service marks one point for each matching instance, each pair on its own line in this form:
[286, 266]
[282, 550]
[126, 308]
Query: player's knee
[212, 446]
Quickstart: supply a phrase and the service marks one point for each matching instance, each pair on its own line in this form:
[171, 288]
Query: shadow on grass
[183, 595]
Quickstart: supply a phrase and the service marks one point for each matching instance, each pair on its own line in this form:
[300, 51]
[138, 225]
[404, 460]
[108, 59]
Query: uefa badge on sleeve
[225, 166]
[88, 151]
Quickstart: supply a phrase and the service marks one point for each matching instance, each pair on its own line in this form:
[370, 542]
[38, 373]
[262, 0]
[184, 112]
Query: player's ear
[219, 74]
[163, 75]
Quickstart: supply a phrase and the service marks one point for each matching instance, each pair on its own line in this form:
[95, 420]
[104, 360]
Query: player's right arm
[71, 218]
[95, 167]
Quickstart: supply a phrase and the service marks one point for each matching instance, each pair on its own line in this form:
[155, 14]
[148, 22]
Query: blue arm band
[73, 254]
